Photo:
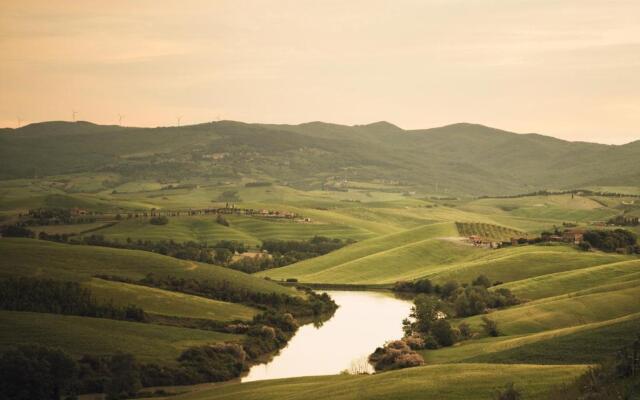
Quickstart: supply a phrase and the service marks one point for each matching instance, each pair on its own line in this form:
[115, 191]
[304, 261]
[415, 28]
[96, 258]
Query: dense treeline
[54, 216]
[314, 305]
[621, 220]
[281, 252]
[462, 300]
[16, 231]
[544, 192]
[37, 372]
[58, 297]
[285, 252]
[217, 253]
[611, 240]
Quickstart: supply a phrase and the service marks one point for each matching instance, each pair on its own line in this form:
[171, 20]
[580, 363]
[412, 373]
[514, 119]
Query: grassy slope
[81, 335]
[76, 262]
[469, 381]
[26, 257]
[384, 259]
[165, 302]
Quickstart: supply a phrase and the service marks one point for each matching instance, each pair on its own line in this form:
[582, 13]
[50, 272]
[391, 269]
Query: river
[363, 321]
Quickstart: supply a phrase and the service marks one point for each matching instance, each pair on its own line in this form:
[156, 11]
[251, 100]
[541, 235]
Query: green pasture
[82, 335]
[456, 381]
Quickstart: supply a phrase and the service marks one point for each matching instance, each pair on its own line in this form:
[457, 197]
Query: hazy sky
[567, 68]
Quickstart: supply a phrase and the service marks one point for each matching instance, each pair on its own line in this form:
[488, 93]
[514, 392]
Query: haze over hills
[458, 159]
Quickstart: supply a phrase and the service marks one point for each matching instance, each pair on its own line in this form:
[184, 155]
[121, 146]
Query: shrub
[160, 220]
[481, 280]
[415, 342]
[490, 326]
[430, 342]
[220, 219]
[395, 355]
[465, 330]
[508, 393]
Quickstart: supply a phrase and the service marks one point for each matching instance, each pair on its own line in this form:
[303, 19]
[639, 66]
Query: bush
[481, 280]
[220, 219]
[508, 393]
[161, 220]
[465, 330]
[415, 342]
[395, 355]
[490, 326]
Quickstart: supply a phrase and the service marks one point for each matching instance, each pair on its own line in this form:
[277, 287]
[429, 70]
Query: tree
[442, 332]
[425, 310]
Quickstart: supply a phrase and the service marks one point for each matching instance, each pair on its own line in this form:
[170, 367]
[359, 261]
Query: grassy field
[579, 307]
[385, 259]
[81, 335]
[164, 302]
[433, 251]
[30, 257]
[464, 381]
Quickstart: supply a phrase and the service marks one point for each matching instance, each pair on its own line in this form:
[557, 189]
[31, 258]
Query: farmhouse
[574, 236]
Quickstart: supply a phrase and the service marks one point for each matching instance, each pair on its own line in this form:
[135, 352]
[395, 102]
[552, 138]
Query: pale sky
[569, 68]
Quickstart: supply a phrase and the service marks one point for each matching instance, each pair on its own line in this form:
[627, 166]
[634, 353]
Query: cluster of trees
[17, 231]
[312, 306]
[611, 240]
[462, 300]
[54, 216]
[621, 220]
[58, 297]
[428, 326]
[220, 252]
[38, 372]
[285, 252]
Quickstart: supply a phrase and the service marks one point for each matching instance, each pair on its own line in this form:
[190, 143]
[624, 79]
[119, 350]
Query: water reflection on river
[364, 321]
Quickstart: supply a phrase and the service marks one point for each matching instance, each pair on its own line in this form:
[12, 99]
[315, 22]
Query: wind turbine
[179, 118]
[19, 122]
[120, 116]
[73, 115]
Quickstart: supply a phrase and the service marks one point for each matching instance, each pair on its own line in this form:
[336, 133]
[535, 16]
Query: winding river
[364, 321]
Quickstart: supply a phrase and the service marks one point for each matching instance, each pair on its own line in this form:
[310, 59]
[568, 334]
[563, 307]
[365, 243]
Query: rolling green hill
[459, 158]
[36, 258]
[463, 382]
[82, 335]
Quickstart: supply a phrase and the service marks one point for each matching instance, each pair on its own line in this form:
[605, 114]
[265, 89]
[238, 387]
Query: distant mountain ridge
[460, 158]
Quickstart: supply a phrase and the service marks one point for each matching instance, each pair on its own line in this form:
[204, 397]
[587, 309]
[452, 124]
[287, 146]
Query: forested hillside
[454, 159]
